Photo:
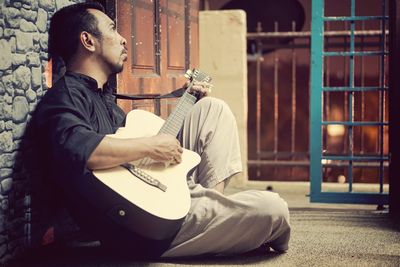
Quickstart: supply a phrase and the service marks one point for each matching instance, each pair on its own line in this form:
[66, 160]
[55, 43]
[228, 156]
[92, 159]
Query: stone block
[41, 21]
[30, 96]
[9, 125]
[2, 90]
[20, 109]
[43, 41]
[22, 78]
[19, 92]
[44, 56]
[5, 186]
[6, 142]
[16, 145]
[33, 59]
[47, 4]
[27, 26]
[12, 17]
[9, 98]
[19, 59]
[13, 43]
[7, 81]
[39, 92]
[5, 173]
[18, 131]
[5, 55]
[16, 4]
[1, 32]
[32, 107]
[5, 112]
[2, 126]
[36, 48]
[6, 160]
[36, 78]
[24, 41]
[62, 3]
[8, 32]
[29, 15]
[36, 38]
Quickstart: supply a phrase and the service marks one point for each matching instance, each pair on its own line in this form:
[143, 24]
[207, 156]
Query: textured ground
[323, 235]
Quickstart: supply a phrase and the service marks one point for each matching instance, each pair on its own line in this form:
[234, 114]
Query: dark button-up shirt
[68, 124]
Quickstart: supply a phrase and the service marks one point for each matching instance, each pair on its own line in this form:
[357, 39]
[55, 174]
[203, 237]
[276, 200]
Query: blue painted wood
[316, 111]
[317, 43]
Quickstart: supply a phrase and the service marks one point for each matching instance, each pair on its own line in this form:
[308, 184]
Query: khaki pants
[219, 224]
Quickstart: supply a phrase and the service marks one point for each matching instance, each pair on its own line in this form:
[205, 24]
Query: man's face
[112, 48]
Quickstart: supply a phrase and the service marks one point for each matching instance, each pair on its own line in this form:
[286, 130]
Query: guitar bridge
[144, 176]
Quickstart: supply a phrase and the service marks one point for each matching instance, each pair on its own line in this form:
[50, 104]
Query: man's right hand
[166, 148]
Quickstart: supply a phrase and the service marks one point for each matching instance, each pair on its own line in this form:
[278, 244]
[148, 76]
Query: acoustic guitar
[156, 197]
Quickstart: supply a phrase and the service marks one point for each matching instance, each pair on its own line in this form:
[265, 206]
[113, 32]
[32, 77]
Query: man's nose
[123, 41]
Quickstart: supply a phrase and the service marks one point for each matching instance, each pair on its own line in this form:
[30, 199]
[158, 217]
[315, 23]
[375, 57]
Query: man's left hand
[201, 88]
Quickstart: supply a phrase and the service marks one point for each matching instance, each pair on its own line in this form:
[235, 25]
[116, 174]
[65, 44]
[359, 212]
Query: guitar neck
[174, 122]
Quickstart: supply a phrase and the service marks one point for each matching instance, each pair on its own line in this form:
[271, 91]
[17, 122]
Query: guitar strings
[174, 122]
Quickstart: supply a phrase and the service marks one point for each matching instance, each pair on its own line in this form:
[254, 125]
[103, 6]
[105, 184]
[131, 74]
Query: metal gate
[353, 157]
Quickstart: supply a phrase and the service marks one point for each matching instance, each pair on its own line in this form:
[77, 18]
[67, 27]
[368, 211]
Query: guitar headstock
[197, 75]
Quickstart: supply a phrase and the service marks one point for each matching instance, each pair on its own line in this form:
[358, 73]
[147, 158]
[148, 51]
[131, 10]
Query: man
[74, 117]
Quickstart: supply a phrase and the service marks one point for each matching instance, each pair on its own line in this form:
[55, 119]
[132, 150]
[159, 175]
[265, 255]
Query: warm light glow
[341, 179]
[48, 73]
[335, 130]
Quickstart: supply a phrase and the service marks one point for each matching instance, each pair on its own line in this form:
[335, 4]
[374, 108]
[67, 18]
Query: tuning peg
[188, 74]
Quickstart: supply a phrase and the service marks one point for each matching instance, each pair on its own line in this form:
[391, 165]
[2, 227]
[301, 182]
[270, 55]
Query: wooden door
[162, 42]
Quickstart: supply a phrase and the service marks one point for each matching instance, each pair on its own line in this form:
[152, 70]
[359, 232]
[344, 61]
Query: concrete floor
[322, 235]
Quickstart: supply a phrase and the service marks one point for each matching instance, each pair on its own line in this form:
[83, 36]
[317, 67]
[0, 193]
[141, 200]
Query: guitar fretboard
[174, 122]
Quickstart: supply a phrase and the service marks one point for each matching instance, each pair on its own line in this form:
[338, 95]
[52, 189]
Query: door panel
[176, 35]
[143, 39]
[162, 41]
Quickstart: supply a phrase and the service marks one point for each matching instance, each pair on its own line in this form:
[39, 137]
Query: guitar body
[146, 209]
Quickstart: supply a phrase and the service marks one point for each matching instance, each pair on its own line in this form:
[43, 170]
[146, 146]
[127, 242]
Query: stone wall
[23, 59]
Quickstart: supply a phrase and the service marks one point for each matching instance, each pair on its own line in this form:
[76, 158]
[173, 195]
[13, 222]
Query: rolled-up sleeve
[66, 124]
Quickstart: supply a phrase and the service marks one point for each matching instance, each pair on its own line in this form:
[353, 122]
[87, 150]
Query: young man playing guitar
[73, 123]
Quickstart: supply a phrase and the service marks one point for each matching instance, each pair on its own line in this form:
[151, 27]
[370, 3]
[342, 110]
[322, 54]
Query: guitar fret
[174, 122]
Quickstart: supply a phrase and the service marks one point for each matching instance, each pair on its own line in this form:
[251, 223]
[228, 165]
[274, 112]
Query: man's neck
[89, 70]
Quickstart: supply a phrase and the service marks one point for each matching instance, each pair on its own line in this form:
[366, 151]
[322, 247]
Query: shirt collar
[86, 80]
[90, 82]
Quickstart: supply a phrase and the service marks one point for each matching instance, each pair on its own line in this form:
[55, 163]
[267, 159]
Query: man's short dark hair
[66, 26]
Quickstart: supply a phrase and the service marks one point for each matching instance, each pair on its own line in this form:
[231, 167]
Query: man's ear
[87, 41]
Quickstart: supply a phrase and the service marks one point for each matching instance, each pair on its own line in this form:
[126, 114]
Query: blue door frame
[317, 157]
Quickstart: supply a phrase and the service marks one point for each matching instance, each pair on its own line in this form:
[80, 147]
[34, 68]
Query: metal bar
[355, 123]
[351, 97]
[356, 158]
[381, 95]
[294, 103]
[362, 75]
[354, 198]
[306, 163]
[258, 98]
[355, 53]
[306, 34]
[354, 88]
[279, 163]
[355, 18]
[276, 98]
[283, 154]
[317, 41]
[345, 95]
[290, 46]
